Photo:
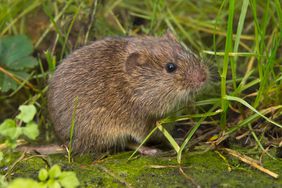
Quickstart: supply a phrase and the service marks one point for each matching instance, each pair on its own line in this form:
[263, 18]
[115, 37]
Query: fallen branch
[251, 162]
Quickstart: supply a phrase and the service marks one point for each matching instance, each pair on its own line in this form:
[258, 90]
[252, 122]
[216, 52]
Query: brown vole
[123, 86]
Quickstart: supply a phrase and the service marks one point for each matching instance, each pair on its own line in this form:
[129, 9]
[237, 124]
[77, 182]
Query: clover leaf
[43, 174]
[31, 130]
[55, 172]
[27, 113]
[16, 59]
[25, 183]
[68, 179]
[9, 129]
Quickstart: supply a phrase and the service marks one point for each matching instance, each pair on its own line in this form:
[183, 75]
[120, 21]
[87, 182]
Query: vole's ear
[169, 35]
[134, 60]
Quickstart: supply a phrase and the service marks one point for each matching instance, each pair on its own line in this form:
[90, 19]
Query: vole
[115, 89]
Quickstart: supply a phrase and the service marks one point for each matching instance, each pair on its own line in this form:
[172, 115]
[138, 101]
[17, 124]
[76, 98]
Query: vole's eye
[170, 67]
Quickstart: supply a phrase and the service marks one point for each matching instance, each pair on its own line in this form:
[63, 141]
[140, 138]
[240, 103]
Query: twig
[44, 150]
[44, 158]
[225, 160]
[13, 77]
[14, 164]
[251, 162]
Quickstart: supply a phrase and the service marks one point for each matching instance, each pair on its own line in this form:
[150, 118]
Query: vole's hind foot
[144, 150]
[149, 151]
[156, 152]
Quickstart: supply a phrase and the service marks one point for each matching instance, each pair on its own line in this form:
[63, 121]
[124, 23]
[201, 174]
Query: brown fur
[122, 89]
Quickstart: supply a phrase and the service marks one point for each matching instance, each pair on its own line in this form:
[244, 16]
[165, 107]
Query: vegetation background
[241, 40]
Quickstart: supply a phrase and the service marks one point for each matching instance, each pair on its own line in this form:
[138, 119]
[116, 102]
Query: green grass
[242, 39]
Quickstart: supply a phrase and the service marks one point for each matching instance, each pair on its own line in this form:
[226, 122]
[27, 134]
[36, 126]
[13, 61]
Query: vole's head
[162, 73]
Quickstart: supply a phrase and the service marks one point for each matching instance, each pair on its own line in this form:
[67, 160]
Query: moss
[205, 169]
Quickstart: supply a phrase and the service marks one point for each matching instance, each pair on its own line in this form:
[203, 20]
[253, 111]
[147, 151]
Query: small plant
[52, 178]
[56, 178]
[12, 129]
[15, 61]
[23, 125]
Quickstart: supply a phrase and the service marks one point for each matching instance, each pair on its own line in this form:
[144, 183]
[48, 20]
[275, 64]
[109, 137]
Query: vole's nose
[202, 76]
[198, 76]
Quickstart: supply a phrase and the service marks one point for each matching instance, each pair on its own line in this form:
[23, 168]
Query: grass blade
[75, 103]
[231, 98]
[237, 40]
[228, 48]
[169, 137]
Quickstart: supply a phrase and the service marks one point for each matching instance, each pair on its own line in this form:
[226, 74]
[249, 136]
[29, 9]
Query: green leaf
[31, 130]
[55, 172]
[69, 180]
[9, 129]
[15, 58]
[25, 183]
[53, 184]
[14, 48]
[43, 174]
[26, 62]
[27, 113]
